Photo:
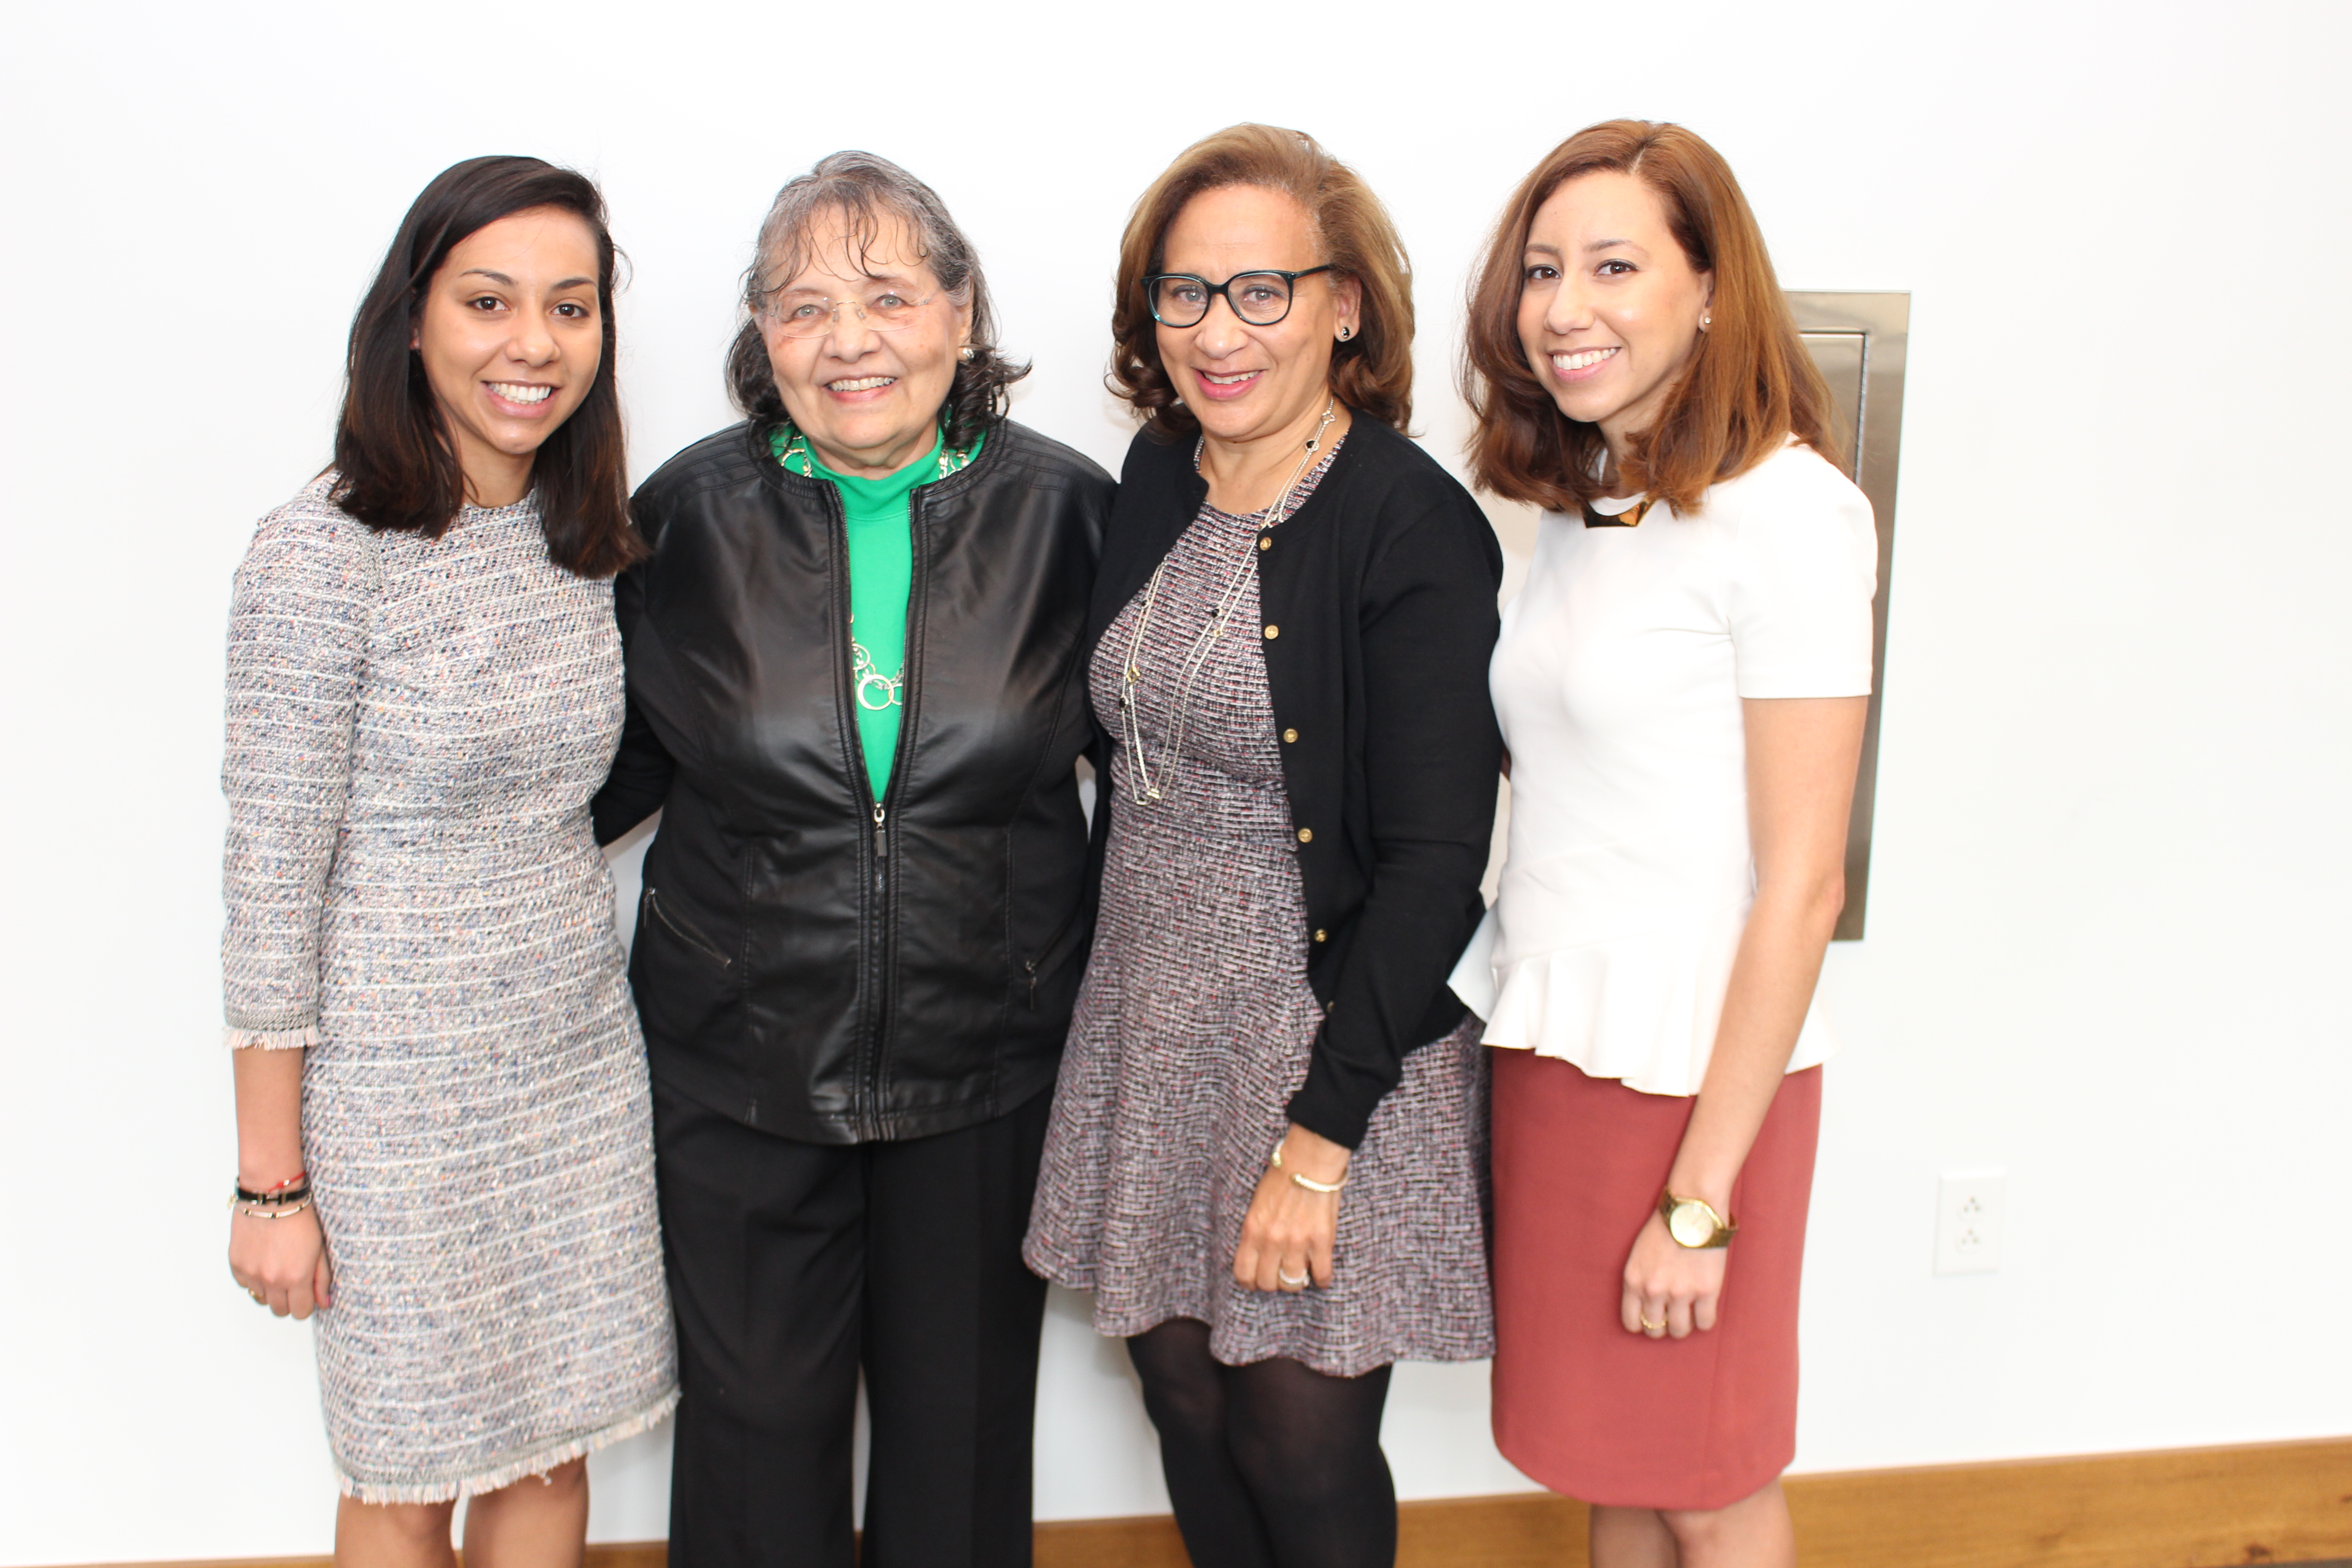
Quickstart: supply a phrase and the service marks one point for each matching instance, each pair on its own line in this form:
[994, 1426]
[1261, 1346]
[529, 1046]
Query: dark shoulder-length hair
[1749, 385]
[869, 192]
[1372, 371]
[397, 463]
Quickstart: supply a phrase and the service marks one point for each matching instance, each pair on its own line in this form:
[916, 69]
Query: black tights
[1272, 1465]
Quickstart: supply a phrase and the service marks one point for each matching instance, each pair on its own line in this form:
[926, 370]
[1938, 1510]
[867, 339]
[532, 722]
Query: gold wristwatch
[1693, 1222]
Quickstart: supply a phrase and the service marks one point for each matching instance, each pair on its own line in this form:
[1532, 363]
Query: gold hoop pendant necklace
[864, 673]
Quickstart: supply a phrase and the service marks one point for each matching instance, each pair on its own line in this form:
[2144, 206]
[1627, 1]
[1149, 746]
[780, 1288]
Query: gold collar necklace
[788, 444]
[1630, 518]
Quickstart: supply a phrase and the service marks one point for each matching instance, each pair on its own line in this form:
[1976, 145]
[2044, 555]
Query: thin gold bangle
[1309, 1183]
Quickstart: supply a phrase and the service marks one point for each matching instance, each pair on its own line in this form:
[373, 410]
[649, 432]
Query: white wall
[2105, 938]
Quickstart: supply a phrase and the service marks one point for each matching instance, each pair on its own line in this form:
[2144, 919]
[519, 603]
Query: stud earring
[1347, 332]
[1706, 320]
[965, 353]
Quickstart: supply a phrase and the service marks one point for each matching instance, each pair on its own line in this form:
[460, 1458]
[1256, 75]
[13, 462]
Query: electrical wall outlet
[1967, 1222]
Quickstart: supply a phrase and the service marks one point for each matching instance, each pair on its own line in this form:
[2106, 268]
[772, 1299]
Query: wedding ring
[1297, 1283]
[258, 1297]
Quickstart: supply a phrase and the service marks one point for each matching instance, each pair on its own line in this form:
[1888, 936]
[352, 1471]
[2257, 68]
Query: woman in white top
[1682, 686]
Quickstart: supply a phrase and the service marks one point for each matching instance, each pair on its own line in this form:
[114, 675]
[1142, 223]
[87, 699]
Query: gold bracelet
[1309, 1183]
[268, 1211]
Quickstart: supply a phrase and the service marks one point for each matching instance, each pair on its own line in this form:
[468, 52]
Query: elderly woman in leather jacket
[854, 695]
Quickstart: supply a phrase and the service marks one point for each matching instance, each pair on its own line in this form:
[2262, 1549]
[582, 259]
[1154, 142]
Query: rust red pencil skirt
[1579, 1404]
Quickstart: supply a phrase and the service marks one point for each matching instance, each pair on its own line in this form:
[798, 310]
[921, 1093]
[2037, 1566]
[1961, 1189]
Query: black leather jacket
[807, 960]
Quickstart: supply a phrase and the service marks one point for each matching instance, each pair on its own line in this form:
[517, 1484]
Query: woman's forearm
[268, 1117]
[1764, 1007]
[1801, 756]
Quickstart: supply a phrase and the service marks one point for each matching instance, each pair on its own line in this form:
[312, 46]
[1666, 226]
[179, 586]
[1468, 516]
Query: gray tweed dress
[414, 728]
[1193, 1029]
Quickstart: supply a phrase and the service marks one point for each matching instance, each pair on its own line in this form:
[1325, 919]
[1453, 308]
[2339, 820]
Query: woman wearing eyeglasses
[853, 695]
[1268, 1144]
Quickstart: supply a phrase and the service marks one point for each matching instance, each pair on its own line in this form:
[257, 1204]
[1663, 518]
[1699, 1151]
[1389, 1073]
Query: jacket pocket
[1042, 963]
[680, 928]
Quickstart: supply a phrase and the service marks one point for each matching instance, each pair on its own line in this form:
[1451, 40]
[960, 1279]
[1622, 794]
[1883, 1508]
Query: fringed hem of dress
[293, 1037]
[507, 1475]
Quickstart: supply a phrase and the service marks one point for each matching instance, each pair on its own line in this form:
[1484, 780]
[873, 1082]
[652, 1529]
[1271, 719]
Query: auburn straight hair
[1373, 372]
[1750, 384]
[395, 460]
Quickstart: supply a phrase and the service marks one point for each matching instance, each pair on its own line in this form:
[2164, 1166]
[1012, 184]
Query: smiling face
[1243, 381]
[1609, 305]
[868, 400]
[510, 337]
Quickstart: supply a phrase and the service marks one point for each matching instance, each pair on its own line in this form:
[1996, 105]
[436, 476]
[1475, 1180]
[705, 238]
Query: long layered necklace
[791, 450]
[1154, 785]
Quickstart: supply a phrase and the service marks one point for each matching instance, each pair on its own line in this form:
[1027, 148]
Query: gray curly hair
[869, 191]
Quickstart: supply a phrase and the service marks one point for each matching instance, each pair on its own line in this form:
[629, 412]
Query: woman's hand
[1287, 1235]
[1670, 1290]
[281, 1263]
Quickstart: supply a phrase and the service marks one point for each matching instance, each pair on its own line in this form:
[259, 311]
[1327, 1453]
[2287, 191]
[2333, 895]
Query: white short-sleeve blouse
[1618, 681]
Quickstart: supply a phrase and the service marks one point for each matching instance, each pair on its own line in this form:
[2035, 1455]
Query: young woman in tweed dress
[1288, 644]
[444, 1138]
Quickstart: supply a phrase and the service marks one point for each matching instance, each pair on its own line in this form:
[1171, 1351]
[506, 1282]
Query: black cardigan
[1379, 598]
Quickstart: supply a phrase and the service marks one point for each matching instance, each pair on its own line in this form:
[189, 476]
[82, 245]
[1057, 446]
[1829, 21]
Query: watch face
[1690, 1224]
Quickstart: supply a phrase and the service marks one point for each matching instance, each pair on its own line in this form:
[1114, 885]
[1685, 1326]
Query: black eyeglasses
[1260, 298]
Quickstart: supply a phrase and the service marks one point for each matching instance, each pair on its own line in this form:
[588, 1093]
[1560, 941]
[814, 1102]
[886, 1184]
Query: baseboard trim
[2182, 1508]
[2190, 1508]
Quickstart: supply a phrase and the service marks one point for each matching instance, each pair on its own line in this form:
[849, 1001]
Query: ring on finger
[1296, 1282]
[1657, 1328]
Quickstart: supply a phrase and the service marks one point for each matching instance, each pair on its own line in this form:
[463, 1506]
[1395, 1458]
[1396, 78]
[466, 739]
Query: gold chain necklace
[1150, 788]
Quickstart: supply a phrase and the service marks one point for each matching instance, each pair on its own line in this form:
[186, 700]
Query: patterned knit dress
[414, 728]
[1194, 1027]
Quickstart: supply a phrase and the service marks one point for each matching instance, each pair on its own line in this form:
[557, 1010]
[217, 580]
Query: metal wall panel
[1858, 341]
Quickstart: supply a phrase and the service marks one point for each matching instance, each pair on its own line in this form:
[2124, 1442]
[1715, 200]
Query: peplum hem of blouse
[1641, 1008]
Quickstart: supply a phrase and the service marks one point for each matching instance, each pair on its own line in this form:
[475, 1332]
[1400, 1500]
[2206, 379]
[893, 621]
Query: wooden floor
[2277, 1504]
[2208, 1508]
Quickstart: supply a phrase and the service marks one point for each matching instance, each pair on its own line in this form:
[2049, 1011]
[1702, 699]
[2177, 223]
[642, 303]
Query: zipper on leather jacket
[870, 1097]
[869, 1091]
[684, 932]
[870, 1100]
[874, 1008]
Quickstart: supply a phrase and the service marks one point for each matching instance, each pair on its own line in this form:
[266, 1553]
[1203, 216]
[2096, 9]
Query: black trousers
[794, 1264]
